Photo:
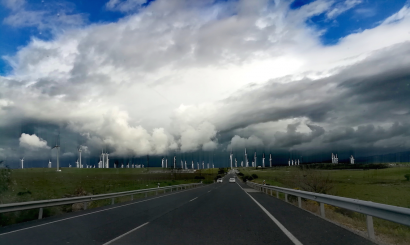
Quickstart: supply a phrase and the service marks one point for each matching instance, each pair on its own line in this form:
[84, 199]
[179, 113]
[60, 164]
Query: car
[219, 180]
[231, 180]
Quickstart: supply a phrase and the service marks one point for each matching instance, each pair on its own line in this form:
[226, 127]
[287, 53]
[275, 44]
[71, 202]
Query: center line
[193, 199]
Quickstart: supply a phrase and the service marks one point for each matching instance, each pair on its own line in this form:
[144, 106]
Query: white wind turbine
[57, 147]
[79, 151]
[49, 163]
[22, 162]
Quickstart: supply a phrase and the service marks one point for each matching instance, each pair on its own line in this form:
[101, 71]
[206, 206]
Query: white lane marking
[115, 239]
[193, 199]
[96, 212]
[286, 231]
[209, 191]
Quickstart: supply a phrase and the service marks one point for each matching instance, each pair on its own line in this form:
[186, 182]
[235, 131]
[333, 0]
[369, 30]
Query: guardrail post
[300, 202]
[40, 213]
[370, 229]
[112, 201]
[322, 210]
[85, 206]
[286, 197]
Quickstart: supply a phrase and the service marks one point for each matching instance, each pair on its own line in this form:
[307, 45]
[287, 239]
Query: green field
[388, 186]
[43, 183]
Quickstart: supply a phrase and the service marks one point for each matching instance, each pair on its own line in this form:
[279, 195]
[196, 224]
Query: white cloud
[174, 75]
[32, 142]
[238, 142]
[342, 7]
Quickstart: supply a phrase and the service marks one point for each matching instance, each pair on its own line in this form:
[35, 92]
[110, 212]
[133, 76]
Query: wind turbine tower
[22, 163]
[230, 156]
[263, 160]
[57, 147]
[270, 160]
[255, 160]
[246, 159]
[79, 151]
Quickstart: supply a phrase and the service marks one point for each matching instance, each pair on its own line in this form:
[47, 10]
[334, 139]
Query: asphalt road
[222, 213]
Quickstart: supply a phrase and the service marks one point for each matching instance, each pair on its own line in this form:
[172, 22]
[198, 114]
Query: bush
[247, 177]
[407, 176]
[240, 174]
[221, 171]
[254, 176]
[5, 179]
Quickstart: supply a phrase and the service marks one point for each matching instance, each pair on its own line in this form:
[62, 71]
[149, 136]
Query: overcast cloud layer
[183, 76]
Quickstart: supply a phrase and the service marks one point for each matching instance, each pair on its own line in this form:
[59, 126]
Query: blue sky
[362, 16]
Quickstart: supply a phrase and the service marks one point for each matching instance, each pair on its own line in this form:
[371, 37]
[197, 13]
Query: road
[221, 213]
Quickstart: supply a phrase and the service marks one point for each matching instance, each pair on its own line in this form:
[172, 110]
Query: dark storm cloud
[372, 96]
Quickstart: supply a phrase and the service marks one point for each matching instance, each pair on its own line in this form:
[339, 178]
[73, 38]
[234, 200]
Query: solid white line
[193, 199]
[97, 211]
[284, 230]
[115, 239]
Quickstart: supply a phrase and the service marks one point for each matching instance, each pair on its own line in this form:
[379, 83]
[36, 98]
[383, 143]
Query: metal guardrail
[370, 209]
[12, 207]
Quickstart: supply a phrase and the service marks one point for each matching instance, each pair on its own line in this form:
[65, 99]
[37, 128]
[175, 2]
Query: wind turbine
[49, 163]
[57, 147]
[79, 151]
[22, 160]
[270, 160]
[263, 160]
[230, 157]
[246, 159]
[107, 162]
[255, 160]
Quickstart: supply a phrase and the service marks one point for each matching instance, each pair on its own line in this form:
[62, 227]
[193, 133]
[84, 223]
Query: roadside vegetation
[22, 185]
[378, 183]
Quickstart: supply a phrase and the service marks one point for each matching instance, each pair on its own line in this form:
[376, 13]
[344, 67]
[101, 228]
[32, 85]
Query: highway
[220, 213]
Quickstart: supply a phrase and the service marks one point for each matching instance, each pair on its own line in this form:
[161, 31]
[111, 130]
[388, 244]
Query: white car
[219, 180]
[231, 180]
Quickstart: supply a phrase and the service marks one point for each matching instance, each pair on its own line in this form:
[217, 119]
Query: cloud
[186, 76]
[238, 142]
[42, 16]
[125, 5]
[342, 7]
[32, 142]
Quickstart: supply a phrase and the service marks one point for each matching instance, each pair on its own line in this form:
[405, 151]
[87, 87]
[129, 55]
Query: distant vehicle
[231, 180]
[219, 180]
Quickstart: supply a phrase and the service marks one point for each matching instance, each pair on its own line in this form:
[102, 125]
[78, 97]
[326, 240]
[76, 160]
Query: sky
[202, 78]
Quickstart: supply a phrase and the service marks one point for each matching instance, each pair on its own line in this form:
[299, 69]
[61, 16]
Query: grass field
[43, 183]
[387, 186]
